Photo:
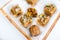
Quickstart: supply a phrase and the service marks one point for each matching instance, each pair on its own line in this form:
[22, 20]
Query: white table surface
[55, 34]
[9, 32]
[2, 2]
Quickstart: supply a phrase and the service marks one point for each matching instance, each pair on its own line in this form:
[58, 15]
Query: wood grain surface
[15, 25]
[51, 28]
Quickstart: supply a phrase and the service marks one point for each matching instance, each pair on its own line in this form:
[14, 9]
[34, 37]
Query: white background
[9, 32]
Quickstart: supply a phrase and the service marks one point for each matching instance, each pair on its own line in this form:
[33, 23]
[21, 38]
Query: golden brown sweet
[49, 9]
[32, 12]
[28, 14]
[25, 21]
[32, 2]
[34, 30]
[16, 10]
[43, 19]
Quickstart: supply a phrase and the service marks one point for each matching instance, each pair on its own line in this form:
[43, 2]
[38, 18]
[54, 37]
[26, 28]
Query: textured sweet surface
[25, 21]
[32, 2]
[32, 11]
[34, 30]
[50, 9]
[43, 19]
[16, 10]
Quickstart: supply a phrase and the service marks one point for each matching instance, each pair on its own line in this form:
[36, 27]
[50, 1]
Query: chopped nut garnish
[49, 9]
[43, 19]
[32, 12]
[25, 21]
[16, 10]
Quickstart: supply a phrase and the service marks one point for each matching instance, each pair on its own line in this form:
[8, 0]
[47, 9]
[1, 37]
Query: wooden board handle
[51, 28]
[17, 27]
